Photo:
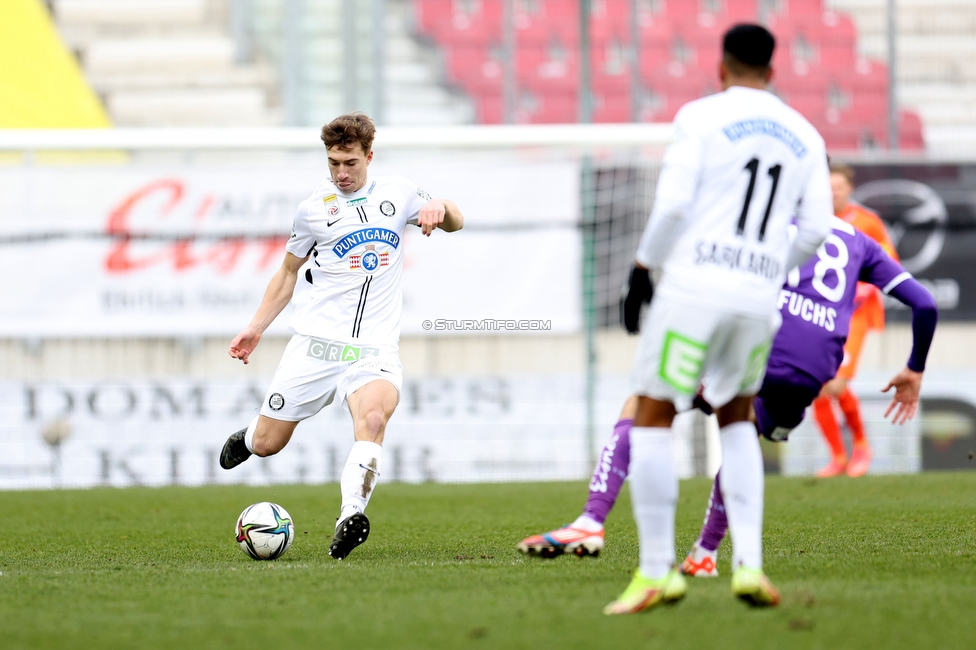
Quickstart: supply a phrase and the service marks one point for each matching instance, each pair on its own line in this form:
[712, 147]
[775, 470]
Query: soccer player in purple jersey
[816, 305]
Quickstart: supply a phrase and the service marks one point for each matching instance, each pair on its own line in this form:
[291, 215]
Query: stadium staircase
[166, 63]
[172, 63]
[818, 69]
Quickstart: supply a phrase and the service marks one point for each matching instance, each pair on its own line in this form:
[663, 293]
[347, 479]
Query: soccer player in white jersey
[347, 326]
[741, 165]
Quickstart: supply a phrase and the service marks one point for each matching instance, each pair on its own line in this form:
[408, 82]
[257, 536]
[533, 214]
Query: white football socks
[654, 492]
[588, 524]
[359, 477]
[742, 483]
[249, 434]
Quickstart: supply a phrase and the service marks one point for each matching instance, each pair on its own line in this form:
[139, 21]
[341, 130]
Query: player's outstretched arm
[908, 382]
[440, 213]
[278, 294]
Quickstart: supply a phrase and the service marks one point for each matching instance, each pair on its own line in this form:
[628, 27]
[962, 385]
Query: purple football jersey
[818, 299]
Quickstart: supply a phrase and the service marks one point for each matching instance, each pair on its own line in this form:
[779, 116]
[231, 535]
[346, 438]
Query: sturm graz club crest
[369, 260]
[387, 208]
[276, 401]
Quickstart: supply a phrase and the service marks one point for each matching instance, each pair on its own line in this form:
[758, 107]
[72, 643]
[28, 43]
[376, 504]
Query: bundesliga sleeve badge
[331, 204]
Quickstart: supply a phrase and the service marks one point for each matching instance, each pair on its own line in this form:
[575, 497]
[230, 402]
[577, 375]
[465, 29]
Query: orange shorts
[852, 349]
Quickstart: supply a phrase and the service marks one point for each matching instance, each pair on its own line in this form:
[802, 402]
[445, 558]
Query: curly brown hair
[346, 131]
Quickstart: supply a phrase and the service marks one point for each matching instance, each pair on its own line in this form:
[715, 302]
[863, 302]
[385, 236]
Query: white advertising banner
[466, 429]
[457, 429]
[131, 251]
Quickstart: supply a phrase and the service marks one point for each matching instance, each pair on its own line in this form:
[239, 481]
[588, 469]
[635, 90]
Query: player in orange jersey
[869, 315]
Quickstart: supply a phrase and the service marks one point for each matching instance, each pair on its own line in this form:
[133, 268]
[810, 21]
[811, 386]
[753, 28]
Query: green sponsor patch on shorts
[681, 362]
[335, 351]
[756, 366]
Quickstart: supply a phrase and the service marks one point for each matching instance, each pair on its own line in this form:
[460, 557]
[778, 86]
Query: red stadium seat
[799, 8]
[813, 107]
[557, 68]
[658, 107]
[689, 83]
[739, 11]
[807, 94]
[610, 67]
[474, 68]
[611, 106]
[910, 134]
[613, 15]
[864, 75]
[530, 108]
[733, 10]
[840, 137]
[490, 108]
[460, 22]
[553, 68]
[655, 42]
[552, 108]
[816, 67]
[538, 22]
[865, 108]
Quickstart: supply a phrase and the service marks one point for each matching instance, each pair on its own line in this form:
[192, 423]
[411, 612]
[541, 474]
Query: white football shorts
[314, 372]
[683, 347]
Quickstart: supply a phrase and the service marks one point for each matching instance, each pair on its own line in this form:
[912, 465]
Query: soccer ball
[265, 531]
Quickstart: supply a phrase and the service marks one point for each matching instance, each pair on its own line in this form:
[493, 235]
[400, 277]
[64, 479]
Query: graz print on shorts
[335, 351]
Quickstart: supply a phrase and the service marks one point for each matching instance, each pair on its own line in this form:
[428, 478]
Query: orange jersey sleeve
[871, 225]
[868, 222]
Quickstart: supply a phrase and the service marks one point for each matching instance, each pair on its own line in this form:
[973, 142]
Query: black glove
[703, 406]
[638, 291]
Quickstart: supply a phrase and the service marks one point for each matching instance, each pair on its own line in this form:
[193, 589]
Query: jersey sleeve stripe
[894, 283]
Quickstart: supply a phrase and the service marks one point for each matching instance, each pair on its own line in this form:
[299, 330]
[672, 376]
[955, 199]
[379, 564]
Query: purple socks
[716, 523]
[610, 473]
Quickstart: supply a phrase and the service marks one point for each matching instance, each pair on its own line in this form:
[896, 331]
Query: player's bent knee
[271, 436]
[372, 424]
[263, 448]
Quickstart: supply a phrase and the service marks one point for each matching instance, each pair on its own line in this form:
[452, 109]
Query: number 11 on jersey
[753, 168]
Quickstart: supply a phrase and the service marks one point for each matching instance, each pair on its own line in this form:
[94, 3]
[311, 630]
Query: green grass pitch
[878, 562]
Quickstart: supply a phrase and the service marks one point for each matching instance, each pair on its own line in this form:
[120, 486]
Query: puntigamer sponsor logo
[335, 351]
[365, 236]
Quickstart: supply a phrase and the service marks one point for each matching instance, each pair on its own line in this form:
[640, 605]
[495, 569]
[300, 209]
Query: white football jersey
[353, 291]
[742, 165]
